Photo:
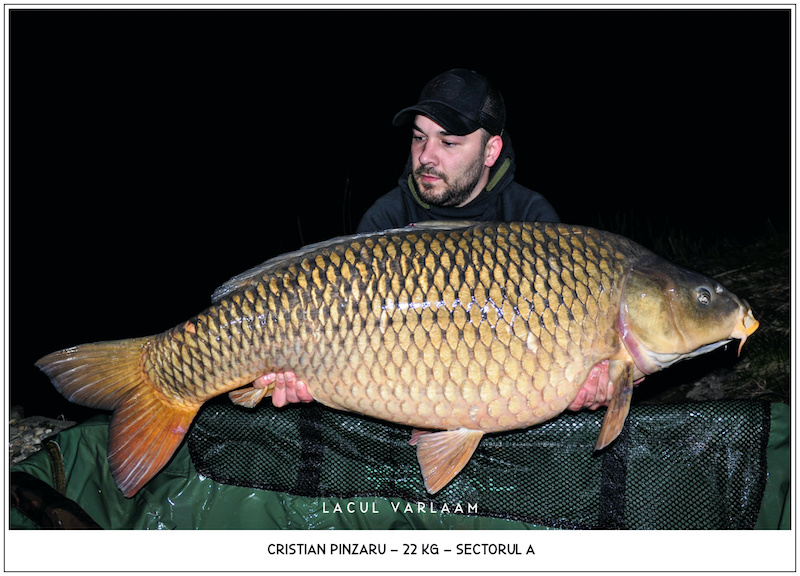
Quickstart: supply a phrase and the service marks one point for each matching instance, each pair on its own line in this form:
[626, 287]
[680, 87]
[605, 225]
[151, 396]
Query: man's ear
[492, 151]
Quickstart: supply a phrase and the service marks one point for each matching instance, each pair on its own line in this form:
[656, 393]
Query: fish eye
[704, 296]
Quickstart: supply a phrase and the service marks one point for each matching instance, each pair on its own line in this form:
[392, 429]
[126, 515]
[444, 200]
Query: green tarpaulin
[711, 465]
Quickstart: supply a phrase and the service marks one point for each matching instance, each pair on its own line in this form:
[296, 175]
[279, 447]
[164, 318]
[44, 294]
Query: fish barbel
[455, 329]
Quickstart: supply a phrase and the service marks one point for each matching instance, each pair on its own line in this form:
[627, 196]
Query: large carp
[456, 329]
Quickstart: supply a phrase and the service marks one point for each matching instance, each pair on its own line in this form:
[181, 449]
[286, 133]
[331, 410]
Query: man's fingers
[302, 392]
[291, 386]
[595, 390]
[578, 403]
[286, 388]
[604, 387]
[279, 397]
[264, 381]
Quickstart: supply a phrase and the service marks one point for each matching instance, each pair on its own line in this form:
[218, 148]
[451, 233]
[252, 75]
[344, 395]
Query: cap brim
[452, 121]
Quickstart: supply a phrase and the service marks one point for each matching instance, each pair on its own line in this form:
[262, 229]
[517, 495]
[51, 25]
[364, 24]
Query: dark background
[155, 154]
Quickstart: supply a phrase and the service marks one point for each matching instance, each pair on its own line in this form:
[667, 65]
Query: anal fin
[418, 433]
[442, 455]
[621, 374]
[250, 396]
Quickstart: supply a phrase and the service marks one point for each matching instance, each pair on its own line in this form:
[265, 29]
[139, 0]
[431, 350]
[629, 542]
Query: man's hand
[288, 389]
[596, 391]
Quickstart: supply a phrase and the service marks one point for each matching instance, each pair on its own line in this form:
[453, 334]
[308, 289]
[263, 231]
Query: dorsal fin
[255, 273]
[441, 224]
[265, 268]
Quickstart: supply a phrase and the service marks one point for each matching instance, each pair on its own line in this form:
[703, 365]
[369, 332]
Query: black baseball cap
[461, 101]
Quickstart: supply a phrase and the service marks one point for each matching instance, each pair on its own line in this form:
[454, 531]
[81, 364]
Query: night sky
[155, 154]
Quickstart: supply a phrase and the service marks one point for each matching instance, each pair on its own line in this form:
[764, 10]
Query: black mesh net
[681, 466]
[493, 111]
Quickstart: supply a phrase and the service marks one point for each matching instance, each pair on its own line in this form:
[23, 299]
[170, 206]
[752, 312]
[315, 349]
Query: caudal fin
[146, 428]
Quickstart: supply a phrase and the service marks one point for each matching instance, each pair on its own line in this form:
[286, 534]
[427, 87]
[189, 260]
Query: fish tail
[146, 428]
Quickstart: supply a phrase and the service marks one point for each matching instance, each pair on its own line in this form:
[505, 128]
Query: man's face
[449, 170]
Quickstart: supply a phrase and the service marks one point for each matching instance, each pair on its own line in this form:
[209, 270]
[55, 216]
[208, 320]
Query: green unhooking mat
[710, 465]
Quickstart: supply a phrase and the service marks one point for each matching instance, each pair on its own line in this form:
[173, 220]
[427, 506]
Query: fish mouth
[746, 325]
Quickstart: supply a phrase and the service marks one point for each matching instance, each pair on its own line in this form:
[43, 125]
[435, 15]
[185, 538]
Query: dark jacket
[502, 200]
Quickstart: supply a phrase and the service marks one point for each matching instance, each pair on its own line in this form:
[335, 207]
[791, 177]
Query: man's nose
[427, 156]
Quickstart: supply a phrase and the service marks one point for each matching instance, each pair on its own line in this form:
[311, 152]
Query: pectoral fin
[621, 374]
[249, 397]
[442, 455]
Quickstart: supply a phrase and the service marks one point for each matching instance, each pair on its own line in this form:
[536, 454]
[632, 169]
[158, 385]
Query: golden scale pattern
[490, 327]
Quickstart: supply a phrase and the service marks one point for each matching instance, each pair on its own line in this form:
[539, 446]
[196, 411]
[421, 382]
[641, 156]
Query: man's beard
[454, 194]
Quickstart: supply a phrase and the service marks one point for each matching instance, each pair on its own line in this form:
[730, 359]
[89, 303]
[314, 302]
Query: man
[461, 167]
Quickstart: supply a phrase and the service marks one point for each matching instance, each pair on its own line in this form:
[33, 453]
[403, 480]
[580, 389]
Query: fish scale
[329, 307]
[474, 362]
[470, 329]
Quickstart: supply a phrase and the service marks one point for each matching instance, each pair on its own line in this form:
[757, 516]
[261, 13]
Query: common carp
[455, 329]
